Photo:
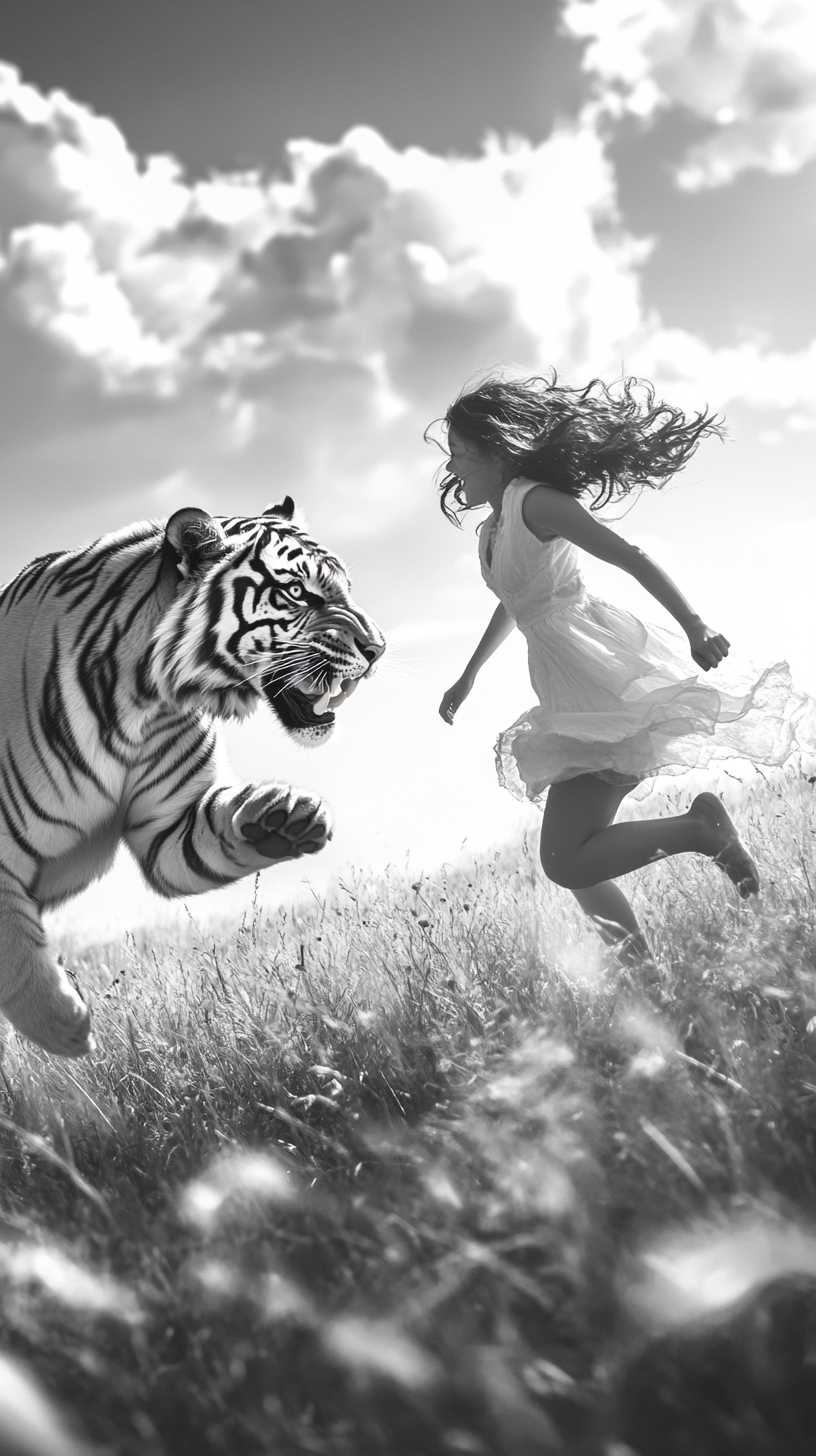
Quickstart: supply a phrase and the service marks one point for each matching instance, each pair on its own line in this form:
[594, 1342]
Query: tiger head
[259, 609]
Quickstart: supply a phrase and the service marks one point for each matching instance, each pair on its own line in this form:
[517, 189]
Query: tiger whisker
[296, 666]
[396, 673]
[297, 674]
[286, 662]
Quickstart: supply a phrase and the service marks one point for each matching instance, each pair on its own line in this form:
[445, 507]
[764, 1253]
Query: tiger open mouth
[300, 709]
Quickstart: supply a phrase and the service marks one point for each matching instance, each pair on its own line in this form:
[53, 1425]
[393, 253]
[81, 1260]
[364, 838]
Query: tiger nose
[370, 651]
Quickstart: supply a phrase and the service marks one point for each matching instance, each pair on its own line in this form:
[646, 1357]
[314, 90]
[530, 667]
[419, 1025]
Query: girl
[618, 701]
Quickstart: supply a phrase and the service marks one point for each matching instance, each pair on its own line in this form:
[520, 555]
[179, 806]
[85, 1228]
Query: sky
[255, 248]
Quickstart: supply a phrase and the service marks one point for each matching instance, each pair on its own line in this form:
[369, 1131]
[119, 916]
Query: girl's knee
[560, 871]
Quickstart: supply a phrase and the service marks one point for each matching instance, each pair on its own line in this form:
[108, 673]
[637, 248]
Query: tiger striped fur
[116, 659]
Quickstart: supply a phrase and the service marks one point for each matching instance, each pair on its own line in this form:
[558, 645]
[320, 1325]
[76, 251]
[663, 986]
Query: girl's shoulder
[523, 489]
[515, 494]
[526, 483]
[522, 485]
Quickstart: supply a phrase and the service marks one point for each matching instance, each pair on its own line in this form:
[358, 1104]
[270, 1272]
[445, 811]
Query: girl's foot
[727, 852]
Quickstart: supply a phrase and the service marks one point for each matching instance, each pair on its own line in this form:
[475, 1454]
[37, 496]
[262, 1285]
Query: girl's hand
[707, 648]
[454, 698]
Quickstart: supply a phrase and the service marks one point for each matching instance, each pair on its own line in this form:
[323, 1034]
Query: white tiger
[116, 658]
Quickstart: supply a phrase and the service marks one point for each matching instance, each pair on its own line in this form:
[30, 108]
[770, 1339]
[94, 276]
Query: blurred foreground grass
[418, 1169]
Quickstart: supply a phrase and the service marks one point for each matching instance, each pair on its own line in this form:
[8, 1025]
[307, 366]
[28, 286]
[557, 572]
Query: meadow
[417, 1168]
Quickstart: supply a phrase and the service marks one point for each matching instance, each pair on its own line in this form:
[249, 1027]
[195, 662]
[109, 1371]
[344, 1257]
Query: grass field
[419, 1169]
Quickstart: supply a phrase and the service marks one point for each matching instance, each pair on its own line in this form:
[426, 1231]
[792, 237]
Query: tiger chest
[90, 857]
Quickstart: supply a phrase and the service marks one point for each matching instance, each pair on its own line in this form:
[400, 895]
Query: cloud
[746, 67]
[400, 266]
[58, 286]
[325, 313]
[314, 321]
[690, 371]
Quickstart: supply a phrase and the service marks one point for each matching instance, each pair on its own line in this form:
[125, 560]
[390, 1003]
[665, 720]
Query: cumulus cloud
[56, 281]
[330, 310]
[96, 235]
[747, 67]
[690, 370]
[404, 268]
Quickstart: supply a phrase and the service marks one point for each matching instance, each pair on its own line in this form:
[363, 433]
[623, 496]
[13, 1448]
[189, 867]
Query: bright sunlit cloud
[360, 289]
[748, 67]
[364, 258]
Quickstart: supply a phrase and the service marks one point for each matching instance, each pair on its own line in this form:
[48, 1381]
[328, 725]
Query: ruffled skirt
[624, 700]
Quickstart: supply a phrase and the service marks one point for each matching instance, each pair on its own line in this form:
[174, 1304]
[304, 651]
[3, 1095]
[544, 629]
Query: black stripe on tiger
[17, 590]
[170, 775]
[56, 727]
[28, 798]
[33, 738]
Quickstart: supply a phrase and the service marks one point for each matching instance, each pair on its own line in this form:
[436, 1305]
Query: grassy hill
[419, 1169]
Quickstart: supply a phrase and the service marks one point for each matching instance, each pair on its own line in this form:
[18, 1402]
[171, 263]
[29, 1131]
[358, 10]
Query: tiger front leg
[283, 823]
[35, 993]
[229, 833]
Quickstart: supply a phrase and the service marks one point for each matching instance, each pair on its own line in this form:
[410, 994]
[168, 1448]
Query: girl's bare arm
[547, 513]
[499, 628]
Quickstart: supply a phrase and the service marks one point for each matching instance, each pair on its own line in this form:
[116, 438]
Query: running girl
[618, 701]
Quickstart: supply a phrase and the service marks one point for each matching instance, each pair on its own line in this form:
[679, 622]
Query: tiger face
[261, 611]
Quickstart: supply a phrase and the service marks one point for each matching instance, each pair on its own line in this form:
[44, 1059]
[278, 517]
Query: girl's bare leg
[605, 903]
[581, 847]
[615, 921]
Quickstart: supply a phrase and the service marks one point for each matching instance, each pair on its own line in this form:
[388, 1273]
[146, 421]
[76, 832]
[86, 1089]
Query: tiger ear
[286, 509]
[196, 539]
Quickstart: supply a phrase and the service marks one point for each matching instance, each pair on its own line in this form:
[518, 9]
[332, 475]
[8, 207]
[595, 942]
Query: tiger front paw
[290, 826]
[58, 1021]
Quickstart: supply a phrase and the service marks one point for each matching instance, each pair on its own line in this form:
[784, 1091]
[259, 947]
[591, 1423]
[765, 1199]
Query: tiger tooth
[320, 704]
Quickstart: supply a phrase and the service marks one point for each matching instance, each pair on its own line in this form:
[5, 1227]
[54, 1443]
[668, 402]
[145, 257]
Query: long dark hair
[605, 439]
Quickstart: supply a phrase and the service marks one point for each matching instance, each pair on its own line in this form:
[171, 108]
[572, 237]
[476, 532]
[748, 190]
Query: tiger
[118, 660]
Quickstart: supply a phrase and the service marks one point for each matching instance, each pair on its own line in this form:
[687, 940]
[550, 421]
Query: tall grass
[417, 1168]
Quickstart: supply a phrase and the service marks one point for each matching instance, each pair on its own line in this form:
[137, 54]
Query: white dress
[616, 697]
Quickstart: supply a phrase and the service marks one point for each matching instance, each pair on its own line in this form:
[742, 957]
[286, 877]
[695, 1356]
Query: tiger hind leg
[35, 993]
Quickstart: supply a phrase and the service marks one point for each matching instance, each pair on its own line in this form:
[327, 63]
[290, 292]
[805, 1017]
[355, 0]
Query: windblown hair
[607, 440]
